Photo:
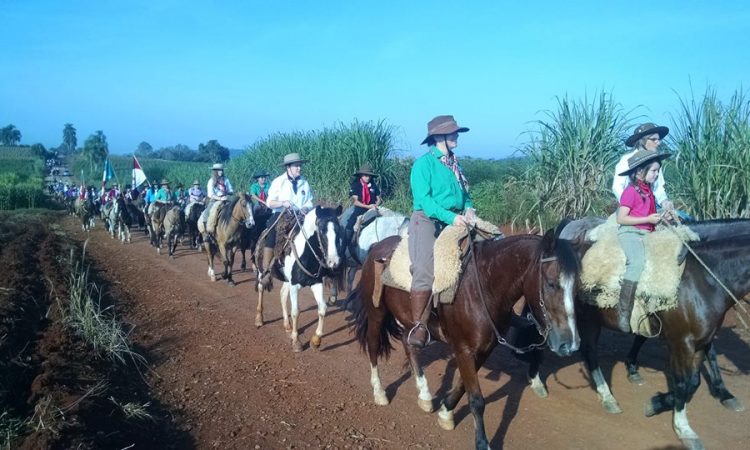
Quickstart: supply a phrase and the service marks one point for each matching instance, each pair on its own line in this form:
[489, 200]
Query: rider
[180, 194]
[288, 190]
[218, 189]
[636, 217]
[647, 136]
[365, 196]
[440, 195]
[195, 193]
[165, 196]
[151, 196]
[259, 189]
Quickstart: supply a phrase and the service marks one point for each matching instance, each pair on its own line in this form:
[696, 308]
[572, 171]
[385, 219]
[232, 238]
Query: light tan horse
[233, 216]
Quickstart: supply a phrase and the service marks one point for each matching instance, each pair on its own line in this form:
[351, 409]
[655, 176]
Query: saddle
[213, 216]
[285, 226]
[603, 266]
[450, 249]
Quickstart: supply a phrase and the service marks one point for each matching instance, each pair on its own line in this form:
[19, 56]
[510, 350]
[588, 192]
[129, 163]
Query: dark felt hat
[643, 157]
[441, 125]
[365, 169]
[645, 130]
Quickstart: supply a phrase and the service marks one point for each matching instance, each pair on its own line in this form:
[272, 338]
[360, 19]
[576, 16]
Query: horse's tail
[360, 309]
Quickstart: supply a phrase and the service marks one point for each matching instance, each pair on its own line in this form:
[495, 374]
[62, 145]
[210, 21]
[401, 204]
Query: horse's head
[324, 222]
[558, 268]
[244, 210]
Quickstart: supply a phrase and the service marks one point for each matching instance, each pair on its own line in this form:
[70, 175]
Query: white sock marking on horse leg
[422, 388]
[681, 425]
[283, 297]
[317, 290]
[445, 418]
[568, 284]
[378, 392]
[294, 299]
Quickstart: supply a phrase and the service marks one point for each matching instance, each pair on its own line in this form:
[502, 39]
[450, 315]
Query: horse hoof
[733, 404]
[231, 283]
[425, 405]
[693, 444]
[158, 251]
[539, 390]
[316, 341]
[649, 410]
[445, 419]
[258, 321]
[296, 347]
[381, 399]
[287, 328]
[332, 300]
[612, 407]
[635, 378]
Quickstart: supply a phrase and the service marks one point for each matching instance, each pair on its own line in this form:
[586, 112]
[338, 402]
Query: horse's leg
[468, 364]
[375, 318]
[334, 293]
[424, 397]
[537, 385]
[631, 361]
[716, 383]
[283, 297]
[228, 257]
[259, 307]
[317, 338]
[685, 378]
[351, 272]
[210, 257]
[449, 403]
[590, 329]
[294, 297]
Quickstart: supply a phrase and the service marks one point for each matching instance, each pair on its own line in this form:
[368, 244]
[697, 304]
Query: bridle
[321, 263]
[529, 316]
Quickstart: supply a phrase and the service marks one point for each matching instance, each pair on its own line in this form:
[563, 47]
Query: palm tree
[10, 135]
[95, 149]
[69, 138]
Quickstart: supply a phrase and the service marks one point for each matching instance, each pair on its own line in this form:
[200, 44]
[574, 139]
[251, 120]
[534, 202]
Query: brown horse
[233, 216]
[156, 227]
[496, 275]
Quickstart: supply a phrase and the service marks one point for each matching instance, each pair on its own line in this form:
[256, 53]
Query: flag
[139, 176]
[108, 173]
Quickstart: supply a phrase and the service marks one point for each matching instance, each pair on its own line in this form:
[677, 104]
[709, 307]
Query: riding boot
[419, 336]
[348, 240]
[265, 268]
[625, 306]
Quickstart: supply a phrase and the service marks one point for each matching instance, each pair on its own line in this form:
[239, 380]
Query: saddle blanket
[447, 257]
[603, 266]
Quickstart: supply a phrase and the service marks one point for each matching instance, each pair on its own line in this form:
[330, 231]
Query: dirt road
[233, 386]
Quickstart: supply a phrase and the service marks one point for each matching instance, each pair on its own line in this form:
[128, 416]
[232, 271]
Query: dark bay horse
[122, 219]
[249, 238]
[317, 249]
[496, 275]
[192, 216]
[233, 217]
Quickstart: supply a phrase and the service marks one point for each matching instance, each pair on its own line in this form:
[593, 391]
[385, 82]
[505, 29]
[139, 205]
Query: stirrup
[428, 338]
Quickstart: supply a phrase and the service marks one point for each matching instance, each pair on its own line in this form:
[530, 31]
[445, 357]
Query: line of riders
[440, 198]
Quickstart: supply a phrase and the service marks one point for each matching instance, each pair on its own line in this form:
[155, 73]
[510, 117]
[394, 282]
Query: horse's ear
[317, 210]
[548, 241]
[561, 226]
[338, 210]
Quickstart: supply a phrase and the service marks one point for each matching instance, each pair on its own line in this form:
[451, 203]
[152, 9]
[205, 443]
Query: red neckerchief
[262, 191]
[222, 186]
[365, 192]
[644, 189]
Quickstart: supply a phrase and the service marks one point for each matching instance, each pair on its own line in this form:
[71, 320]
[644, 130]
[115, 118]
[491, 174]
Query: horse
[122, 220]
[85, 210]
[136, 214]
[496, 274]
[226, 237]
[174, 228]
[249, 238]
[192, 216]
[688, 331]
[386, 224]
[317, 247]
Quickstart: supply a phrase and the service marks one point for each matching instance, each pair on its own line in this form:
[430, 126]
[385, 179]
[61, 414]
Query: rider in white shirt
[288, 190]
[218, 189]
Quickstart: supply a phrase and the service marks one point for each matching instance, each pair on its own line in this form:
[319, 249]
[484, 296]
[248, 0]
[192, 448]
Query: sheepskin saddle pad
[603, 267]
[447, 257]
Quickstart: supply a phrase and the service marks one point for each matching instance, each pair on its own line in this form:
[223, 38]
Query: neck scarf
[262, 191]
[644, 189]
[294, 183]
[451, 161]
[365, 192]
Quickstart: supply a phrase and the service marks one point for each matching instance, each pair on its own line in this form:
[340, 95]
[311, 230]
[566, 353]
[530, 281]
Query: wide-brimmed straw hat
[365, 169]
[292, 158]
[643, 157]
[646, 129]
[443, 125]
[196, 183]
[217, 166]
[261, 173]
[164, 182]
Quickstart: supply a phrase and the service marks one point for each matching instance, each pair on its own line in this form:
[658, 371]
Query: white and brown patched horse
[232, 217]
[317, 252]
[85, 210]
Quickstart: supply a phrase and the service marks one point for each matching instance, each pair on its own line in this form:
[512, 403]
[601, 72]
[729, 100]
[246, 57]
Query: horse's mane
[225, 216]
[567, 258]
[729, 242]
[715, 221]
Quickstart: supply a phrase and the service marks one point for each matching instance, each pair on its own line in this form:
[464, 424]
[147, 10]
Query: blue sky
[170, 72]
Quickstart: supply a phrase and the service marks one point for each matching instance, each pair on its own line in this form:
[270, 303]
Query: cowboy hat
[217, 166]
[164, 182]
[196, 183]
[641, 158]
[646, 129]
[365, 169]
[441, 125]
[261, 173]
[292, 158]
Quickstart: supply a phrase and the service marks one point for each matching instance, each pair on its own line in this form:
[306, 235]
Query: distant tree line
[211, 151]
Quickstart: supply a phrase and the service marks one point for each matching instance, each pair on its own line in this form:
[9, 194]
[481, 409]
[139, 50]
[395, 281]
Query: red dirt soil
[233, 386]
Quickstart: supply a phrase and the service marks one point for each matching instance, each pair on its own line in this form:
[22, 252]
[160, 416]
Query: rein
[737, 303]
[500, 339]
[321, 263]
